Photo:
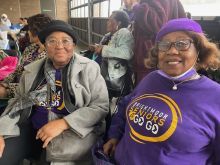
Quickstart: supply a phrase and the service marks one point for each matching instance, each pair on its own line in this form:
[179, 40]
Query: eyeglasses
[181, 45]
[65, 42]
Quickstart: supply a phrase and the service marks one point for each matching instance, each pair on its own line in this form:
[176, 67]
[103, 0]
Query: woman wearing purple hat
[173, 116]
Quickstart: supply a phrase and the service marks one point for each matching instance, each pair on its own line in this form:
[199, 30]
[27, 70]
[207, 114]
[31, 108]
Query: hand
[92, 48]
[96, 48]
[3, 91]
[2, 145]
[51, 130]
[110, 146]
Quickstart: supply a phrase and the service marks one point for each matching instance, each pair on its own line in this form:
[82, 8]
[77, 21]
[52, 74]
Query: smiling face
[175, 62]
[60, 48]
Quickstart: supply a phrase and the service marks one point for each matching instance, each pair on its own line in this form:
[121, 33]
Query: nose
[172, 50]
[59, 44]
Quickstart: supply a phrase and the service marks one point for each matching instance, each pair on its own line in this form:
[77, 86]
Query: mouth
[173, 62]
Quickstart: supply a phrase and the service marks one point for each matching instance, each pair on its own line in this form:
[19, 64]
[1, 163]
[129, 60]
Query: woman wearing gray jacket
[60, 106]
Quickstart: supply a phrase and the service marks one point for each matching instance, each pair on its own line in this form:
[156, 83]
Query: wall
[11, 8]
[29, 8]
[25, 8]
[62, 9]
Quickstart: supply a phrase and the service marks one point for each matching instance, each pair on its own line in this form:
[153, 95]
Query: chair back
[14, 53]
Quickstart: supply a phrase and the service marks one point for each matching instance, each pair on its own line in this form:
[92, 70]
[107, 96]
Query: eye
[163, 45]
[52, 41]
[183, 45]
[66, 41]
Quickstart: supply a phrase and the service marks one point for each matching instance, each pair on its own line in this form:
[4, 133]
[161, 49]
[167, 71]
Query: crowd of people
[61, 103]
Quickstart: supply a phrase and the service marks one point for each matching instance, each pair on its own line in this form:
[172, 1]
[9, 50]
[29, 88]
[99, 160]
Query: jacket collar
[31, 70]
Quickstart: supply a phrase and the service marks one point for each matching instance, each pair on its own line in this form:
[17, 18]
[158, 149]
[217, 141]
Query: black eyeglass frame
[187, 43]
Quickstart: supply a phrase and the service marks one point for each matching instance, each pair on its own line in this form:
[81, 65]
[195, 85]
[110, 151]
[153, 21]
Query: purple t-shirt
[56, 103]
[161, 126]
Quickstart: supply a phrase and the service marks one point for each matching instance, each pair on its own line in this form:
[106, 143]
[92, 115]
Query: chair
[14, 53]
[3, 104]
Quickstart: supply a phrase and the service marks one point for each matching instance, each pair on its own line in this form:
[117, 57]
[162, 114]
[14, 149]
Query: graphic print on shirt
[57, 97]
[152, 118]
[52, 99]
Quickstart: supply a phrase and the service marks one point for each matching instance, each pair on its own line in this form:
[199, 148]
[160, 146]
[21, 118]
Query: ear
[119, 23]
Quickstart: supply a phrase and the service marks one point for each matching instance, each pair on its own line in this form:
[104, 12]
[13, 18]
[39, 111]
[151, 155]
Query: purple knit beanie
[181, 24]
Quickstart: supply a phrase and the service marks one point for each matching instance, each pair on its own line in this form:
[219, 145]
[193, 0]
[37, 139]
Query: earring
[117, 27]
[157, 66]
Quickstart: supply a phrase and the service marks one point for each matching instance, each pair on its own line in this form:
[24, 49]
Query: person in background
[149, 16]
[128, 7]
[4, 27]
[5, 20]
[24, 22]
[22, 36]
[3, 40]
[61, 92]
[173, 115]
[117, 54]
[188, 15]
[32, 53]
[21, 23]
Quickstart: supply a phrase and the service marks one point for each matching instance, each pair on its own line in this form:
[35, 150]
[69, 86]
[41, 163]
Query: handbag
[68, 146]
[119, 86]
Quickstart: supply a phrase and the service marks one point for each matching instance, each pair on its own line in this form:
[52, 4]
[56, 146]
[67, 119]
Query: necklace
[193, 77]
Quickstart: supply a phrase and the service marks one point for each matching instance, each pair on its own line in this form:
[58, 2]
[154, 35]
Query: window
[82, 12]
[114, 5]
[73, 13]
[202, 7]
[86, 11]
[104, 9]
[71, 4]
[96, 10]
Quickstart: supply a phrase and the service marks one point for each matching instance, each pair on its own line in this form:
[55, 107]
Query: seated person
[62, 93]
[3, 40]
[5, 20]
[117, 54]
[22, 36]
[32, 53]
